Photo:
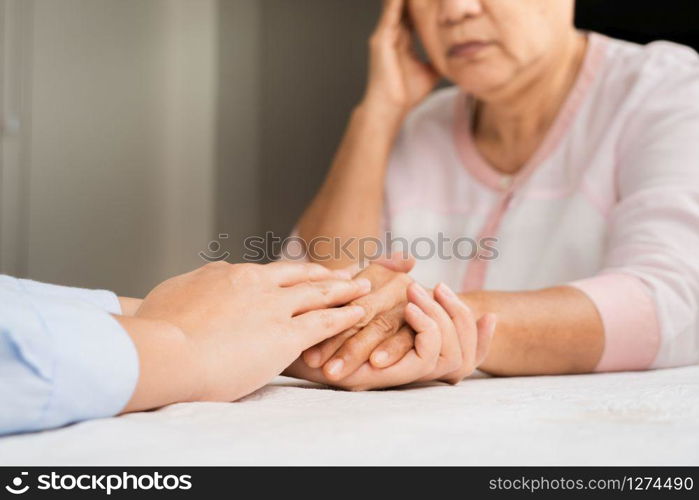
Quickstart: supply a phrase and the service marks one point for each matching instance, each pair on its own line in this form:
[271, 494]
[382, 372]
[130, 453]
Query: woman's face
[482, 45]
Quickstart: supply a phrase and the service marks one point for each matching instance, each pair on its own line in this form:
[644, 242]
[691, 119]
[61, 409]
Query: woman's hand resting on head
[397, 77]
[448, 346]
[223, 331]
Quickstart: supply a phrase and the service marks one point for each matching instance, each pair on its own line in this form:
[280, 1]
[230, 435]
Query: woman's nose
[455, 11]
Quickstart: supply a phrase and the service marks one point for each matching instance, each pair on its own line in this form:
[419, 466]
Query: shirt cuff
[103, 299]
[629, 317]
[92, 363]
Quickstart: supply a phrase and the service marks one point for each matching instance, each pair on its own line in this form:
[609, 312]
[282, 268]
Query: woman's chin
[480, 83]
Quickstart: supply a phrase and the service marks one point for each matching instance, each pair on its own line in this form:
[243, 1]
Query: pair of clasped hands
[226, 330]
[405, 334]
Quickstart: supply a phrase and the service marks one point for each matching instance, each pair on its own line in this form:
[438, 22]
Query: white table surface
[649, 418]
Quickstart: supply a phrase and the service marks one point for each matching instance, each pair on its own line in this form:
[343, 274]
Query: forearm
[552, 331]
[350, 202]
[167, 371]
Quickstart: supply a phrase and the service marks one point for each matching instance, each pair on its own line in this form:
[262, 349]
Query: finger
[292, 273]
[392, 350]
[381, 300]
[414, 366]
[397, 262]
[318, 355]
[357, 349]
[321, 294]
[384, 298]
[315, 326]
[353, 270]
[450, 355]
[428, 340]
[466, 331]
[486, 331]
[392, 13]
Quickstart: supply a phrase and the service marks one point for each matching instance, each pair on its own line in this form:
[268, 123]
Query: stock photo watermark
[270, 247]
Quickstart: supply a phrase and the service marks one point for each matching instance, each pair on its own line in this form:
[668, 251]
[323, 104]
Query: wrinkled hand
[383, 327]
[449, 345]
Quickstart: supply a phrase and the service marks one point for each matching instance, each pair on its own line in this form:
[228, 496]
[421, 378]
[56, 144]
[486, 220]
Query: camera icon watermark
[213, 251]
[16, 487]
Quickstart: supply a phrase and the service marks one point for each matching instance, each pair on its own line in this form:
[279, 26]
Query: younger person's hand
[224, 330]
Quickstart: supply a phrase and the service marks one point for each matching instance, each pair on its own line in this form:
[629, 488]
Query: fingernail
[447, 291]
[364, 284]
[421, 291]
[413, 308]
[356, 311]
[380, 357]
[335, 366]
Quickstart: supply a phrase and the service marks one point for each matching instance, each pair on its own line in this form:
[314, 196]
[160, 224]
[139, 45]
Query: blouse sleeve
[648, 293]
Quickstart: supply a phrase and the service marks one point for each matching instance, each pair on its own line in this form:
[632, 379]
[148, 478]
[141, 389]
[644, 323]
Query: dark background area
[642, 21]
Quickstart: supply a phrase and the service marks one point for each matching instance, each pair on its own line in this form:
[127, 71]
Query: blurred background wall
[108, 144]
[135, 132]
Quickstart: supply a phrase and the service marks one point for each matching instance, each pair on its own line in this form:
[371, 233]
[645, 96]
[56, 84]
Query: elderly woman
[577, 152]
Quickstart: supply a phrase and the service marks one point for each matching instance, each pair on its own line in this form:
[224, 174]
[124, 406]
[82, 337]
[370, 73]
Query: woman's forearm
[350, 202]
[547, 332]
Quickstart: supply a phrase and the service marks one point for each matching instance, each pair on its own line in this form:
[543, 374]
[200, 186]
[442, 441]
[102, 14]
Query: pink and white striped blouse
[608, 204]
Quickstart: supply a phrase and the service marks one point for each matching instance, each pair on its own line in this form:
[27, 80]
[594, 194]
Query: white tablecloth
[649, 418]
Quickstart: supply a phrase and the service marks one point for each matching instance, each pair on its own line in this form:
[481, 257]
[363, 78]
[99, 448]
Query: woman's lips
[468, 49]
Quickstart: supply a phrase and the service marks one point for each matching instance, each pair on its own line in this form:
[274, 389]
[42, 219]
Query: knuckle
[324, 292]
[352, 348]
[369, 310]
[405, 342]
[384, 323]
[327, 319]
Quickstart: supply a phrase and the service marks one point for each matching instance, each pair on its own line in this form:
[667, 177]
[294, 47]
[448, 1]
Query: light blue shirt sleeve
[63, 357]
[103, 299]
